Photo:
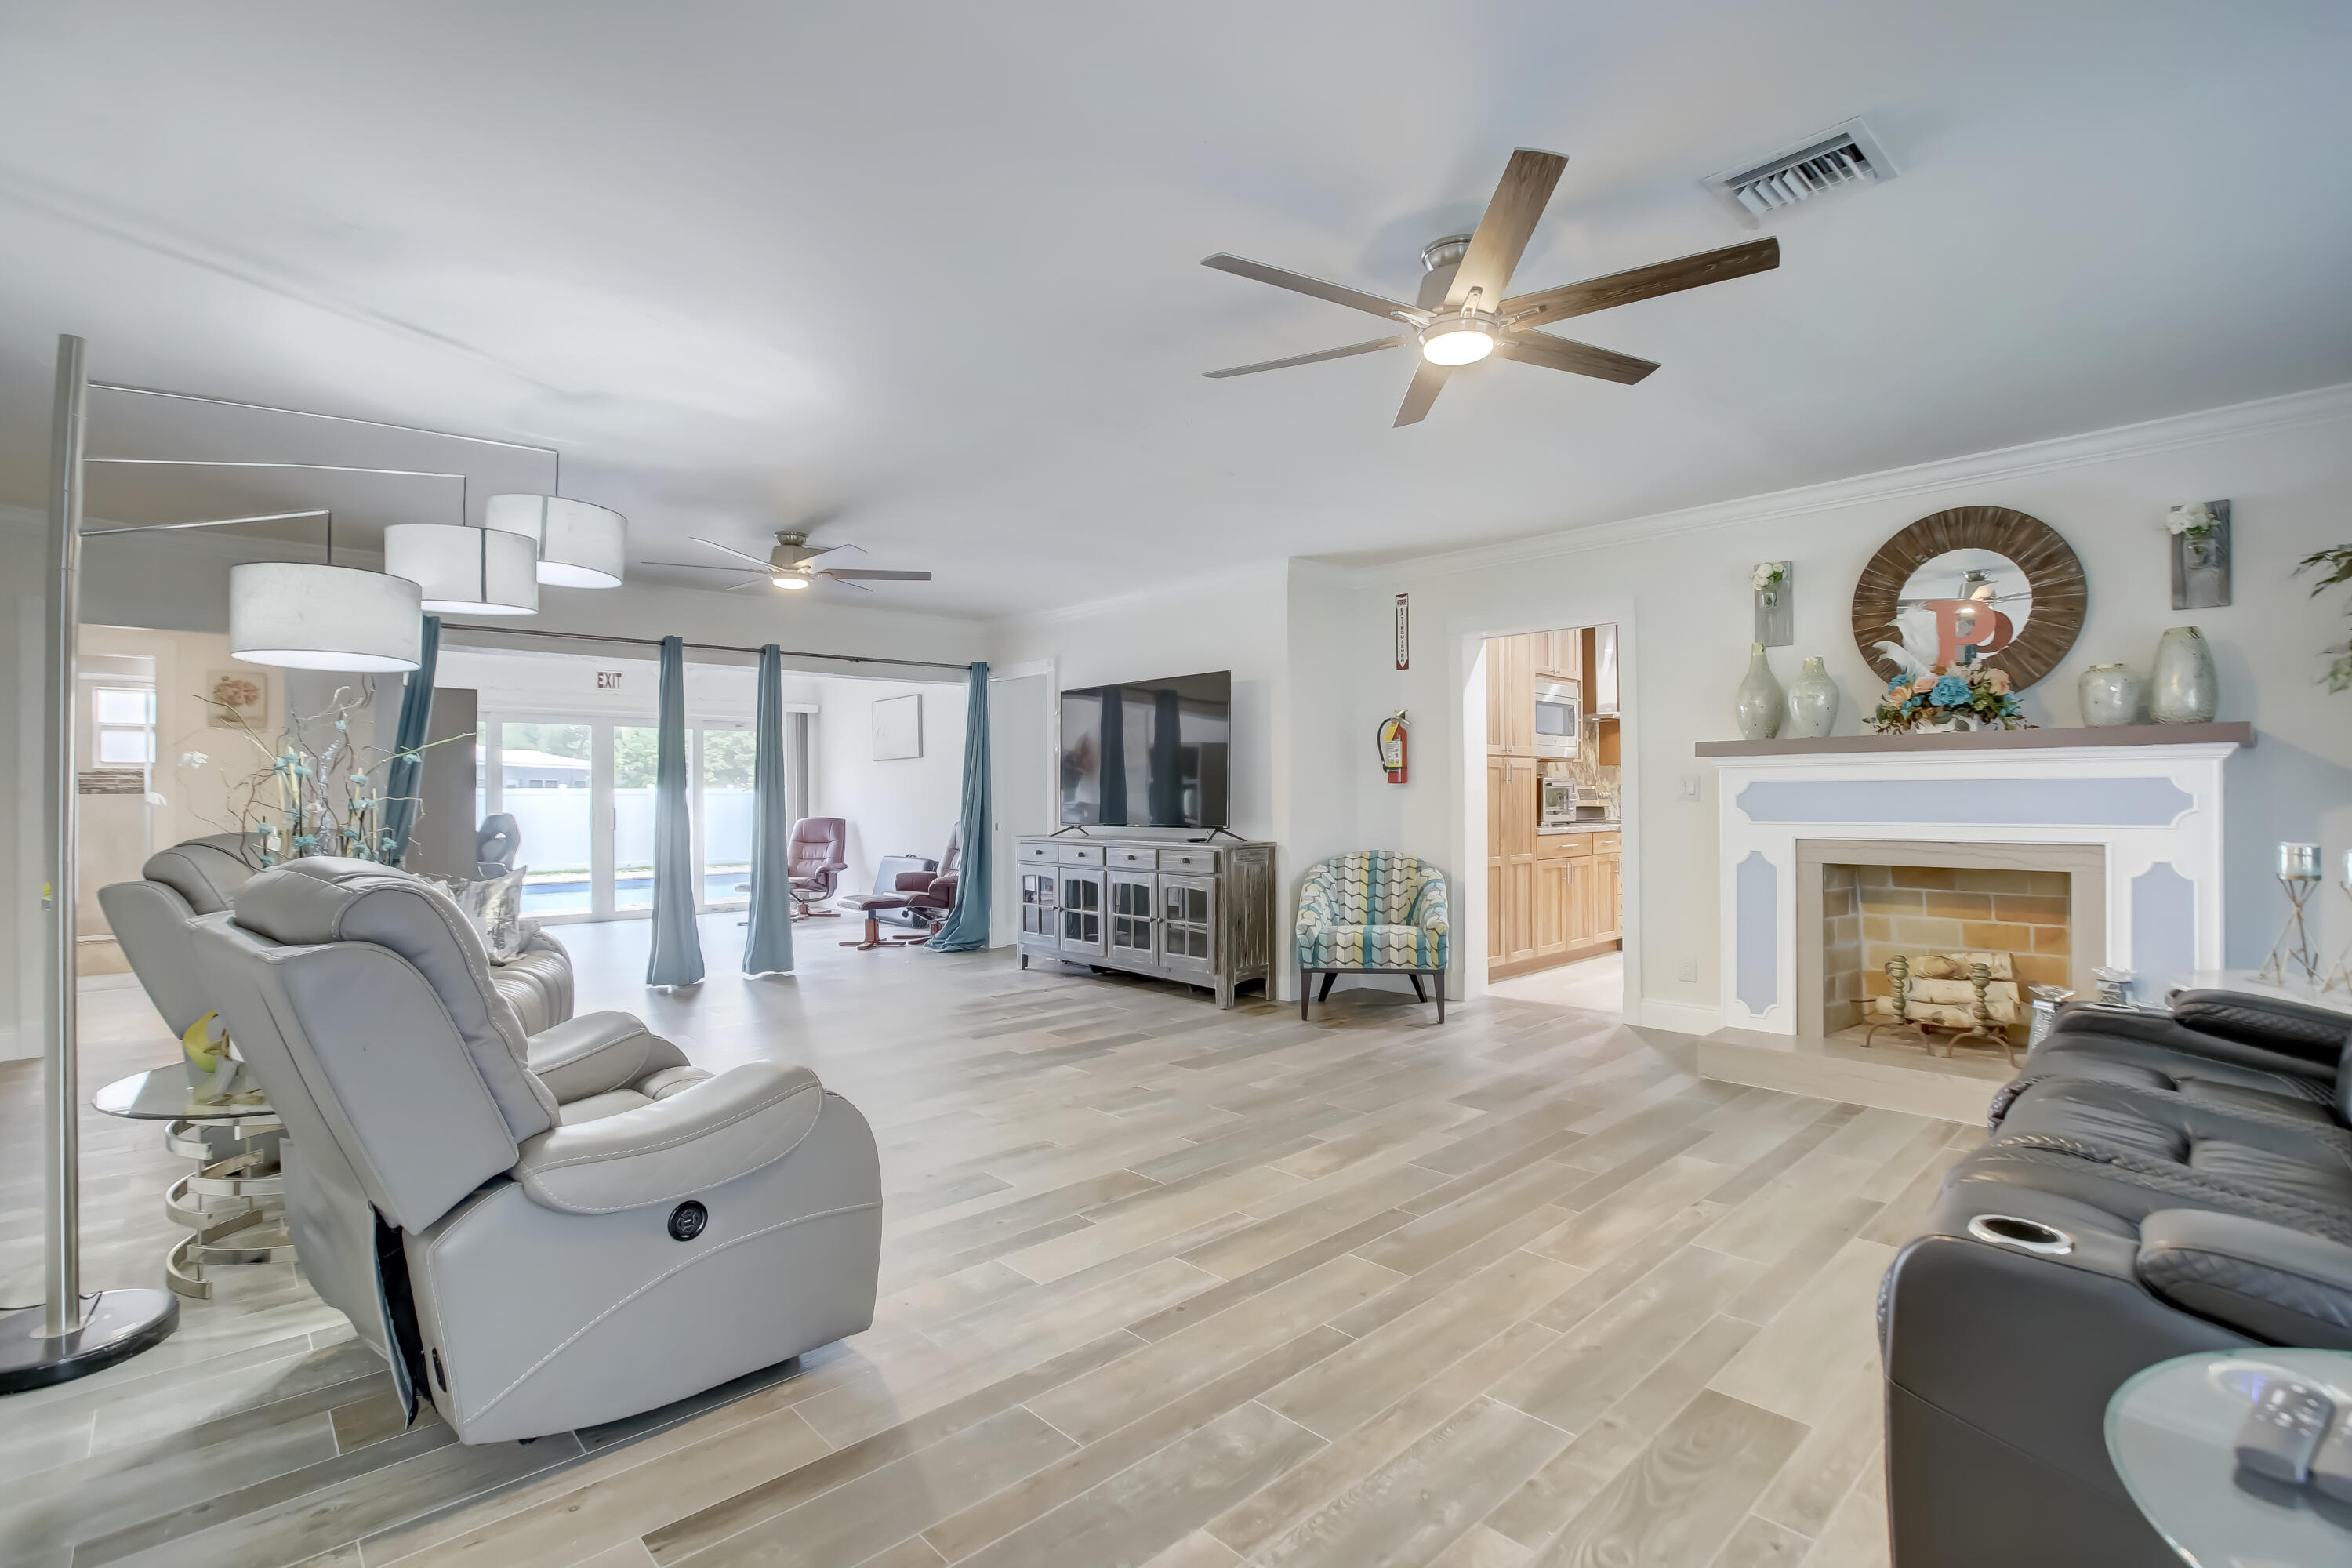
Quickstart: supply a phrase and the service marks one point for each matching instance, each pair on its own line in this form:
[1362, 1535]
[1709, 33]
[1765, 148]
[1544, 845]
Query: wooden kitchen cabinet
[1558, 656]
[1511, 696]
[1511, 864]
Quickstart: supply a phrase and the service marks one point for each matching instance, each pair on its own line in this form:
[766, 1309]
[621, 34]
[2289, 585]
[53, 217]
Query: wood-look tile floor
[1160, 1284]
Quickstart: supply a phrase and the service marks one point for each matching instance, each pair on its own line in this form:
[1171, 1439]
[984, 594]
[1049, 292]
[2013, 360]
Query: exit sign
[609, 680]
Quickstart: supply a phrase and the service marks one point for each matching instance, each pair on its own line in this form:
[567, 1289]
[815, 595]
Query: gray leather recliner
[2193, 1168]
[201, 876]
[537, 1233]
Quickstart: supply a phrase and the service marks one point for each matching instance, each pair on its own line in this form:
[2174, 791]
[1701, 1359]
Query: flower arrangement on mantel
[1949, 697]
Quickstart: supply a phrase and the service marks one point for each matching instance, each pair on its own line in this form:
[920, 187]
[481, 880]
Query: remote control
[2331, 1468]
[2283, 1432]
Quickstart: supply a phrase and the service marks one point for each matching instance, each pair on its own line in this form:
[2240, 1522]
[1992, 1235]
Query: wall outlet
[1688, 786]
[1689, 973]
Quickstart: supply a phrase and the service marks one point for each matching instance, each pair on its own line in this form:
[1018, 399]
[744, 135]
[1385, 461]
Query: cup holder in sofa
[2025, 1235]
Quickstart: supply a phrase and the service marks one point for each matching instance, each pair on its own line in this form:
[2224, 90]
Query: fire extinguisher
[1390, 745]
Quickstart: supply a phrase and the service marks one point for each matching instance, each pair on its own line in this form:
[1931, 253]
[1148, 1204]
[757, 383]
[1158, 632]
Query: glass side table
[234, 1203]
[2172, 1431]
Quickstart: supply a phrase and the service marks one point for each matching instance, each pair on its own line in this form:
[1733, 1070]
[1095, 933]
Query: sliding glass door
[583, 793]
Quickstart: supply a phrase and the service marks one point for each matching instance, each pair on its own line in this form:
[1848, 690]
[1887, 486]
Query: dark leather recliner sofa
[2198, 1165]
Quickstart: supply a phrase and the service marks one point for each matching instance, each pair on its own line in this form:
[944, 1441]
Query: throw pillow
[495, 905]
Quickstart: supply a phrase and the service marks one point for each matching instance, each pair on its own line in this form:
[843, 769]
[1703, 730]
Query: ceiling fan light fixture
[1464, 338]
[790, 580]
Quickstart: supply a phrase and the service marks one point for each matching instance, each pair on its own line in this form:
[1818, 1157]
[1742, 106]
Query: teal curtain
[404, 776]
[768, 943]
[966, 929]
[677, 947]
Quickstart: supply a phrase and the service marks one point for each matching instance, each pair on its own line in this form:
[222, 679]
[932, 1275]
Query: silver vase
[2110, 694]
[2186, 689]
[1762, 706]
[1812, 701]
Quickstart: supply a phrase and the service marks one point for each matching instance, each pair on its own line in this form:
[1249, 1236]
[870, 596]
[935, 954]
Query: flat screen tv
[1148, 754]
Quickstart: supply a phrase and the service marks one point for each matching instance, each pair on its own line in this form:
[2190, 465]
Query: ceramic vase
[2110, 694]
[1812, 701]
[1762, 705]
[2186, 689]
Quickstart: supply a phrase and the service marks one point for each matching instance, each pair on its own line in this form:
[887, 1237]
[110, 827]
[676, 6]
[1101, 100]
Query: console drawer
[1045, 852]
[1082, 854]
[1127, 854]
[1200, 862]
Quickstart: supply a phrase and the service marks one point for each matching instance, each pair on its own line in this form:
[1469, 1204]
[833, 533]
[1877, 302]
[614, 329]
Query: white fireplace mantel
[2148, 796]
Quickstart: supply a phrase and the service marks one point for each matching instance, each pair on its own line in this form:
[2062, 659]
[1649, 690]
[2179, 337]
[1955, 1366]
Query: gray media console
[1201, 913]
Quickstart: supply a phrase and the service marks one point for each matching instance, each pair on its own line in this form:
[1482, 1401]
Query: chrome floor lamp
[70, 1334]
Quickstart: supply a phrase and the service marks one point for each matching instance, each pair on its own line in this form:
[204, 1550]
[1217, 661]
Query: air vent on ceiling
[1847, 155]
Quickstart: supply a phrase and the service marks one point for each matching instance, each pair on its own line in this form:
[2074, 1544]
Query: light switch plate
[1687, 786]
[1690, 972]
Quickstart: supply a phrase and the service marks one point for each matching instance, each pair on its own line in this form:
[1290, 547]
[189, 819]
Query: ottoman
[870, 904]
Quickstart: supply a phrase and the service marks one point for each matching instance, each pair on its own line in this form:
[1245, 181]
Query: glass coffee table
[2172, 1431]
[234, 1203]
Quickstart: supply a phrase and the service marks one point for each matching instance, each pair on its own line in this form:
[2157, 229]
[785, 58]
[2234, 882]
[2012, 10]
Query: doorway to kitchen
[1554, 825]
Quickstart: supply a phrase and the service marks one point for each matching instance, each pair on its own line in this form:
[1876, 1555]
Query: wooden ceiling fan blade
[1502, 234]
[1642, 283]
[704, 566]
[817, 552]
[1579, 359]
[1428, 381]
[739, 587]
[837, 577]
[1299, 283]
[760, 562]
[1373, 346]
[844, 575]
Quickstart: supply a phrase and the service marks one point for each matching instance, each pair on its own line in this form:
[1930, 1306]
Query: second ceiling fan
[1463, 314]
[795, 562]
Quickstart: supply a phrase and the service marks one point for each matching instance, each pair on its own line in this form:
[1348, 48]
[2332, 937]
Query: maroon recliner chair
[818, 855]
[931, 894]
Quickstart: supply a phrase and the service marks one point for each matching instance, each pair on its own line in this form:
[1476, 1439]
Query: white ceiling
[934, 267]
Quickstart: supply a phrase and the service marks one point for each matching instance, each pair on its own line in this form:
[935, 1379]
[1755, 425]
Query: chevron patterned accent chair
[1372, 912]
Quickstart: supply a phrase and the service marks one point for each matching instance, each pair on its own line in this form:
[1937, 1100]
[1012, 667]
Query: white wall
[904, 807]
[1677, 584]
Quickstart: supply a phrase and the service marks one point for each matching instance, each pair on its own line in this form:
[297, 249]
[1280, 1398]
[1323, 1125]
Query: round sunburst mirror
[1977, 581]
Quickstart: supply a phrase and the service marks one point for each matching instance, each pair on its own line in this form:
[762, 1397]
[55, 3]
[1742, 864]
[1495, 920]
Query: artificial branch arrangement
[1949, 697]
[2339, 563]
[307, 800]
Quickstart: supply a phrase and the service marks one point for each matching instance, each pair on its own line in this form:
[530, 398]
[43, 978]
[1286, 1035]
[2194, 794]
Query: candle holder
[2298, 873]
[2340, 977]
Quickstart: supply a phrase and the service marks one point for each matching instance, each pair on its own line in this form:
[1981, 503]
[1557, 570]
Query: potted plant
[2338, 562]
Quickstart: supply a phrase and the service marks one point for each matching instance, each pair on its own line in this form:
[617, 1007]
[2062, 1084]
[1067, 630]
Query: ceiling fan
[1462, 315]
[794, 565]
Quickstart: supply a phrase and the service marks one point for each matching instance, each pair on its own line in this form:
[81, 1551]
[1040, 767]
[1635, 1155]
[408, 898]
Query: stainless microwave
[1557, 710]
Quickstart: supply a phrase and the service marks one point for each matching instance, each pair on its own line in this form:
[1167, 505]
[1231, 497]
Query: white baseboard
[1682, 1017]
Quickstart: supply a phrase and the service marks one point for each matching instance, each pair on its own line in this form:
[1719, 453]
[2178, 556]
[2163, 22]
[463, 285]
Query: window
[543, 776]
[636, 749]
[723, 813]
[124, 736]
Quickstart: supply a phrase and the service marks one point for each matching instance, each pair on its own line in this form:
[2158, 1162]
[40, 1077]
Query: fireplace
[2035, 909]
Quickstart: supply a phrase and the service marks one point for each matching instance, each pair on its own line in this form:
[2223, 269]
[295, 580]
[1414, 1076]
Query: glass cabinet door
[1131, 917]
[1081, 900]
[1038, 905]
[1188, 924]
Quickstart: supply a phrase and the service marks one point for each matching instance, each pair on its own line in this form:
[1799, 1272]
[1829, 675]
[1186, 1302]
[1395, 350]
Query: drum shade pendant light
[469, 570]
[299, 616]
[580, 545]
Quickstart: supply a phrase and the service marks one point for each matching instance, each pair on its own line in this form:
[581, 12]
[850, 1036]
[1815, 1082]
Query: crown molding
[2236, 421]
